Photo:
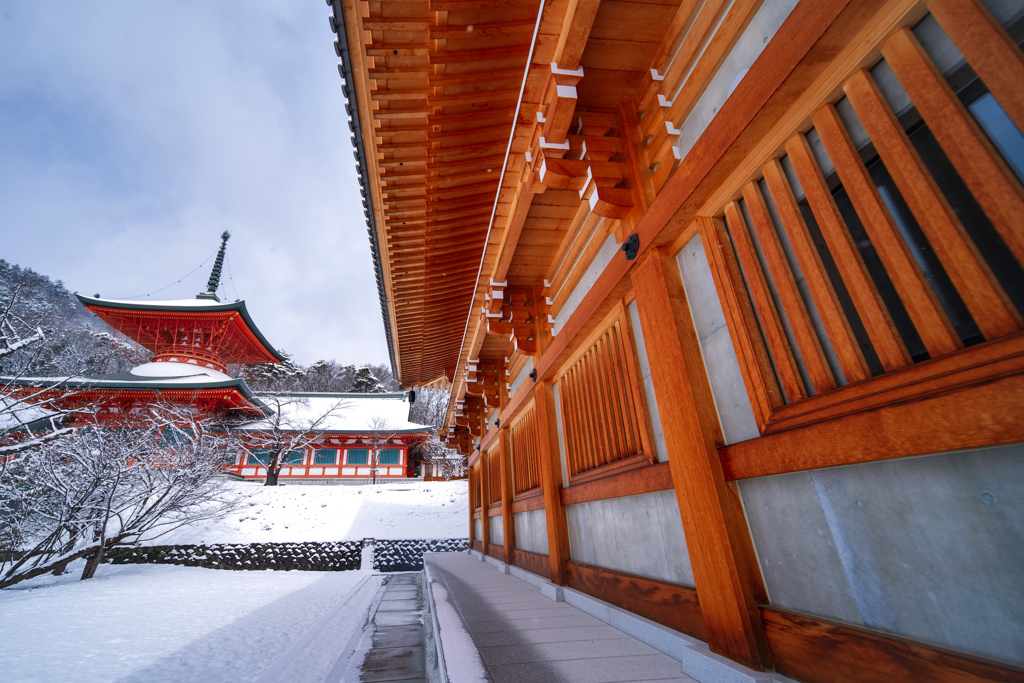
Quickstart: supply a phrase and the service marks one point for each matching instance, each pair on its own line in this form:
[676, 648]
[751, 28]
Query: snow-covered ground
[302, 512]
[166, 623]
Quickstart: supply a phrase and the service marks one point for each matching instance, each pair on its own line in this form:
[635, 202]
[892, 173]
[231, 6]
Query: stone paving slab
[523, 637]
[398, 643]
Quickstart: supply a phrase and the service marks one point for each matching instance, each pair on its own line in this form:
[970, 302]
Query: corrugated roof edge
[341, 48]
[238, 306]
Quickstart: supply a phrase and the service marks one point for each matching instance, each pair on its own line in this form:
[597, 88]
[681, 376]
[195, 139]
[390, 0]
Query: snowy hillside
[336, 513]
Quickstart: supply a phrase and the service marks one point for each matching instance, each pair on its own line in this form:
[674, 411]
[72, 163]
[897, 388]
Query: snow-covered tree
[430, 407]
[284, 376]
[444, 461]
[365, 382]
[292, 425]
[109, 485]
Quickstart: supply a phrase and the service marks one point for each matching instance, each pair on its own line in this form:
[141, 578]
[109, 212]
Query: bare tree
[108, 485]
[378, 437]
[293, 424]
[430, 407]
[444, 461]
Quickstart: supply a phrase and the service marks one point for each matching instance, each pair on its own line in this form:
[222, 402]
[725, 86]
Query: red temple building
[193, 341]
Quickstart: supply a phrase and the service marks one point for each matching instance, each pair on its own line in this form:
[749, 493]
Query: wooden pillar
[507, 521]
[485, 494]
[729, 584]
[551, 480]
[471, 480]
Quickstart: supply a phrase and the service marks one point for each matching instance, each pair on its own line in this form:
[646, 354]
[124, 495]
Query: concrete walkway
[525, 637]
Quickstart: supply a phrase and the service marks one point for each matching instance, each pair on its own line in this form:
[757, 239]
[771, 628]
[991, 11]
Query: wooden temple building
[192, 342]
[730, 297]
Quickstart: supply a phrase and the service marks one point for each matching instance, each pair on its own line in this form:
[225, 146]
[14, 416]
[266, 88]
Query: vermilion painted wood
[670, 604]
[721, 553]
[818, 651]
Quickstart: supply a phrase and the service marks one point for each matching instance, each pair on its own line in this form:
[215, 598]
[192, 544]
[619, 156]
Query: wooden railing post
[725, 570]
[485, 503]
[507, 522]
[551, 480]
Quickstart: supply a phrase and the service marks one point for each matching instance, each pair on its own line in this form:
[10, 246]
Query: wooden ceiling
[436, 84]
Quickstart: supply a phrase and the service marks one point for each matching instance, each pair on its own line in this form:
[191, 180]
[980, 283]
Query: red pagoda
[192, 342]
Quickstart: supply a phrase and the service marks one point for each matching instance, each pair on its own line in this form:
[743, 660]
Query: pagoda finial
[214, 283]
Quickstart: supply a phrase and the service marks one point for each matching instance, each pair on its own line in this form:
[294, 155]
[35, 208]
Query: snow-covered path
[167, 623]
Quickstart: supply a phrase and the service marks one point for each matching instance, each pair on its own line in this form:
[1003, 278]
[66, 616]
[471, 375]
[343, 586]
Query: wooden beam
[721, 552]
[507, 520]
[987, 414]
[669, 604]
[575, 32]
[819, 651]
[549, 453]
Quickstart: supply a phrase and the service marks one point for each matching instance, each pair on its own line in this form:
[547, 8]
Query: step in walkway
[397, 644]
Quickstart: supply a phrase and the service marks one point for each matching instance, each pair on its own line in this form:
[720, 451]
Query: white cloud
[132, 134]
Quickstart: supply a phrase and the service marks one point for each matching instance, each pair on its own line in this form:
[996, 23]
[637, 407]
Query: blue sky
[133, 133]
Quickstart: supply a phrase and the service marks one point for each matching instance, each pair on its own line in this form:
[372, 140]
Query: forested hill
[75, 341]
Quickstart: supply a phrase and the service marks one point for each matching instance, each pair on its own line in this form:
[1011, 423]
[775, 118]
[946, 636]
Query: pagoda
[192, 342]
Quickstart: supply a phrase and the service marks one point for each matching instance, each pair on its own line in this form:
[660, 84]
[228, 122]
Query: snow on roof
[171, 303]
[353, 413]
[170, 370]
[15, 413]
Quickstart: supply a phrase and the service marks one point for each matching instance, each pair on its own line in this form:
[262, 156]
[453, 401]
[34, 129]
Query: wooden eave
[435, 83]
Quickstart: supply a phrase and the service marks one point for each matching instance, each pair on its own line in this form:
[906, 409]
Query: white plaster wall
[478, 529]
[748, 48]
[645, 378]
[497, 530]
[716, 347]
[640, 535]
[930, 548]
[593, 271]
[531, 531]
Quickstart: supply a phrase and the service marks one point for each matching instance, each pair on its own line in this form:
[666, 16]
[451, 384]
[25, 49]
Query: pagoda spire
[214, 283]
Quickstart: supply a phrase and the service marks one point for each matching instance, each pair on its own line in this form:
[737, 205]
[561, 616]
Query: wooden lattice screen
[601, 406]
[493, 475]
[890, 232]
[525, 462]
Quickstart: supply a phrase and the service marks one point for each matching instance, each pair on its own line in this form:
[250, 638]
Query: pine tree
[366, 383]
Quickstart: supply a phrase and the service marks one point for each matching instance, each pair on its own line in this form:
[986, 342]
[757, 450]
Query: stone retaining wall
[388, 555]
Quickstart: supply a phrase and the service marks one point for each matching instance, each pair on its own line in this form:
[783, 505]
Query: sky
[132, 134]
